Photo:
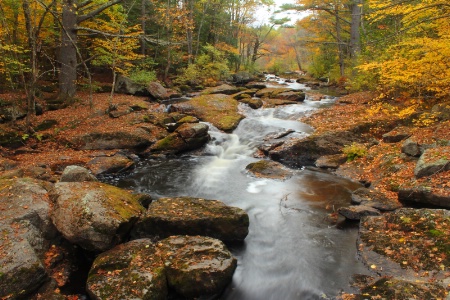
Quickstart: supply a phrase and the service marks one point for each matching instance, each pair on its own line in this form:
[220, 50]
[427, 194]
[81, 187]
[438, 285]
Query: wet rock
[277, 102]
[218, 109]
[356, 212]
[331, 161]
[268, 169]
[252, 102]
[221, 89]
[397, 135]
[196, 266]
[93, 215]
[110, 164]
[304, 152]
[137, 139]
[292, 96]
[157, 91]
[432, 161]
[424, 195]
[375, 199]
[271, 92]
[27, 232]
[188, 136]
[192, 216]
[125, 85]
[128, 271]
[76, 174]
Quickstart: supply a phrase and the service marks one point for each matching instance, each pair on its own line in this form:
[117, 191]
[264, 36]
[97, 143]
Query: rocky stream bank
[53, 209]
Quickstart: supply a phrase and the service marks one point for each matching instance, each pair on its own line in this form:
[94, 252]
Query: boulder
[218, 109]
[256, 85]
[304, 152]
[93, 215]
[244, 94]
[356, 212]
[254, 103]
[277, 102]
[125, 85]
[423, 194]
[442, 110]
[411, 147]
[432, 161]
[196, 266]
[76, 174]
[138, 139]
[268, 169]
[110, 164]
[11, 113]
[192, 216]
[7, 164]
[375, 199]
[221, 89]
[27, 233]
[132, 270]
[292, 96]
[271, 92]
[157, 91]
[242, 77]
[396, 135]
[331, 161]
[188, 136]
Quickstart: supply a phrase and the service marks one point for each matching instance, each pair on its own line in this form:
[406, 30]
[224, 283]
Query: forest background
[400, 47]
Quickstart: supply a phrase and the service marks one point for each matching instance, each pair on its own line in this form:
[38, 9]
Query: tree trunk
[339, 42]
[143, 25]
[68, 51]
[355, 46]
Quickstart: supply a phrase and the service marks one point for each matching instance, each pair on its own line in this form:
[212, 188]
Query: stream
[294, 249]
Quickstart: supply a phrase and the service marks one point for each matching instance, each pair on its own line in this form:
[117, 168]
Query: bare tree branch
[96, 11]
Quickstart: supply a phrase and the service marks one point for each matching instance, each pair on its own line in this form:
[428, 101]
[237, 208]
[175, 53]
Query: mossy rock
[94, 215]
[128, 271]
[268, 169]
[252, 102]
[11, 139]
[218, 109]
[196, 266]
[192, 216]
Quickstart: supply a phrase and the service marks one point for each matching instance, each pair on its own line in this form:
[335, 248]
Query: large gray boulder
[125, 85]
[93, 215]
[423, 194]
[76, 174]
[192, 216]
[157, 91]
[196, 266]
[432, 161]
[128, 271]
[27, 233]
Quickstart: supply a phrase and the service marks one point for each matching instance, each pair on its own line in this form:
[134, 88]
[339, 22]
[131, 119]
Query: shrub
[354, 150]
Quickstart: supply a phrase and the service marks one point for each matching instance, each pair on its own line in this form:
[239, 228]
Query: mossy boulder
[188, 136]
[218, 109]
[192, 216]
[268, 169]
[26, 234]
[128, 271]
[254, 103]
[269, 103]
[221, 89]
[93, 215]
[196, 266]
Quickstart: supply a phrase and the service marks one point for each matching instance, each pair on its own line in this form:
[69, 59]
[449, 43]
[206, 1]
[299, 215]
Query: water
[295, 248]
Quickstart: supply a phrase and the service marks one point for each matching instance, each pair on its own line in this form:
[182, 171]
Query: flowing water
[294, 250]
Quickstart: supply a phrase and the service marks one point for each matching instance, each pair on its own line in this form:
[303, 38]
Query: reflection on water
[293, 250]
